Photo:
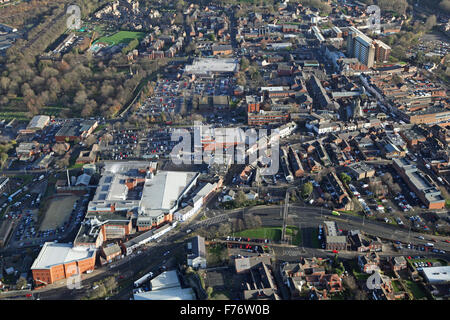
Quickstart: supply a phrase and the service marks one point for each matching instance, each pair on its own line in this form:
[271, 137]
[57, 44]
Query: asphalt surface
[154, 257]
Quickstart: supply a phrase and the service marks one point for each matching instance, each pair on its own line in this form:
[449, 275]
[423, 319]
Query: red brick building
[58, 261]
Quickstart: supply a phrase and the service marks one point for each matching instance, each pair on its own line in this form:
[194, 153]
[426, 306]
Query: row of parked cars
[321, 237]
[419, 247]
[229, 238]
[248, 247]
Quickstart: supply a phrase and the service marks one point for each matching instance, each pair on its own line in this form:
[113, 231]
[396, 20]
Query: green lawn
[271, 233]
[295, 233]
[416, 290]
[122, 37]
[396, 286]
[15, 110]
[360, 276]
[76, 166]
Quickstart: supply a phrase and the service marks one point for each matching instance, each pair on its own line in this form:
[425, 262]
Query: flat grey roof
[53, 254]
[211, 65]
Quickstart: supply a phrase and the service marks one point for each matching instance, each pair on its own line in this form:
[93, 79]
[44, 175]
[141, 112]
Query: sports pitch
[122, 37]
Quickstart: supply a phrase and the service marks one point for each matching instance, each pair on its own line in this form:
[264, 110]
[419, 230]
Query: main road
[155, 254]
[311, 217]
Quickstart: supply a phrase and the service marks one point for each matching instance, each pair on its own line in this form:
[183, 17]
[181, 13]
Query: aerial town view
[224, 150]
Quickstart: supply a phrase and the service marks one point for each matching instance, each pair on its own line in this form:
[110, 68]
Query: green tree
[430, 22]
[345, 178]
[244, 64]
[21, 283]
[209, 292]
[445, 5]
[3, 159]
[240, 197]
[306, 189]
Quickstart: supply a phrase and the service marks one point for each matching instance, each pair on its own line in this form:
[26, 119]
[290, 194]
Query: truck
[143, 279]
[11, 197]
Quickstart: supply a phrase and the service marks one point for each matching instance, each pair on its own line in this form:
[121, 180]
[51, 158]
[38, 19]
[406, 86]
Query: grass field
[396, 286]
[58, 211]
[295, 234]
[17, 110]
[272, 233]
[122, 37]
[416, 290]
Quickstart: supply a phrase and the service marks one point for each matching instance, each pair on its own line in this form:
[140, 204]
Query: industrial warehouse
[132, 197]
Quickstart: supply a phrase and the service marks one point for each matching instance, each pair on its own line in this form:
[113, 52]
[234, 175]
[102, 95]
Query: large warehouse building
[136, 187]
[57, 261]
[212, 66]
[437, 275]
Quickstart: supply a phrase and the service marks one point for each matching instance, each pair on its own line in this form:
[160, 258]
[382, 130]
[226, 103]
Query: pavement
[152, 256]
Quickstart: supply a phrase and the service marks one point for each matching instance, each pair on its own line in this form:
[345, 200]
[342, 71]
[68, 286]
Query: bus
[335, 213]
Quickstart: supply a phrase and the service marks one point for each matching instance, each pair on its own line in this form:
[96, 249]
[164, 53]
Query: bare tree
[90, 140]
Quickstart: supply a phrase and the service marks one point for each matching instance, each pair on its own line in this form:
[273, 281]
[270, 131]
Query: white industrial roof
[162, 191]
[53, 254]
[38, 122]
[165, 280]
[437, 274]
[166, 286]
[206, 65]
[159, 195]
[167, 294]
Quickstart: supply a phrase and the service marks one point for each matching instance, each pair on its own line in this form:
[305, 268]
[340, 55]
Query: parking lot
[168, 97]
[138, 144]
[54, 226]
[58, 212]
[421, 262]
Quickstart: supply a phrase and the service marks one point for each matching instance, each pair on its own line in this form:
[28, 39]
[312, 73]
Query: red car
[335, 251]
[448, 241]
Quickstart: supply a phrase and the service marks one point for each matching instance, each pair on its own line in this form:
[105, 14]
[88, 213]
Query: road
[311, 217]
[152, 258]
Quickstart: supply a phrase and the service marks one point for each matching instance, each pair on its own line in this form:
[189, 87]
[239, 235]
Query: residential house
[369, 262]
[196, 252]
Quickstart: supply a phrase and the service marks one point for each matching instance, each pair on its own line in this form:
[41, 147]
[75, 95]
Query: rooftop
[167, 279]
[437, 274]
[176, 293]
[53, 254]
[211, 65]
[38, 122]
